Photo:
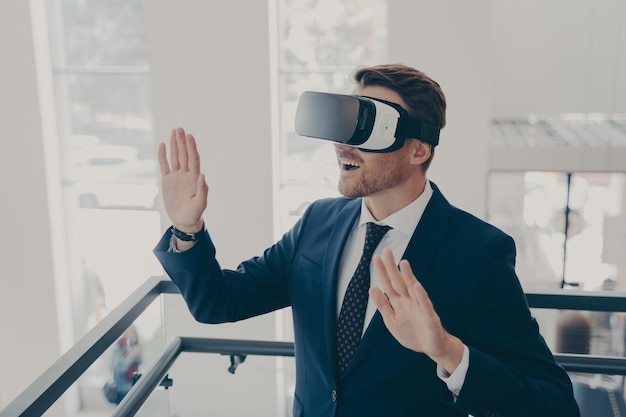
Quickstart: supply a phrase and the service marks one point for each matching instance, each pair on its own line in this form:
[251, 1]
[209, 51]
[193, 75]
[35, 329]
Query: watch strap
[187, 237]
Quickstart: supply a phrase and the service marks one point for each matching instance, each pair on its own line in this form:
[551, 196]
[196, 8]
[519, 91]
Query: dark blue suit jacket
[467, 267]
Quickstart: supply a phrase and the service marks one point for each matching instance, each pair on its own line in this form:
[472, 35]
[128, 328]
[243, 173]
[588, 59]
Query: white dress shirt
[403, 223]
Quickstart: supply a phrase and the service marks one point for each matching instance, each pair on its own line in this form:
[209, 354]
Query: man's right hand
[183, 186]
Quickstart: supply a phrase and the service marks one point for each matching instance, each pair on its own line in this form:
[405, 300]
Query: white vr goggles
[372, 125]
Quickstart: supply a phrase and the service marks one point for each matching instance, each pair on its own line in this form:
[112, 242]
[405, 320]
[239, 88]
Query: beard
[386, 176]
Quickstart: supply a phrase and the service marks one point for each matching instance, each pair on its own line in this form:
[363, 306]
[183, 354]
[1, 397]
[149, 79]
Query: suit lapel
[430, 232]
[336, 243]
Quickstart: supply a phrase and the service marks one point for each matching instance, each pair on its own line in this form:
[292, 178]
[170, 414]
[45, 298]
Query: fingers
[419, 294]
[181, 141]
[415, 288]
[394, 275]
[399, 282]
[383, 276]
[175, 163]
[381, 301]
[183, 153]
[163, 164]
[406, 276]
[192, 154]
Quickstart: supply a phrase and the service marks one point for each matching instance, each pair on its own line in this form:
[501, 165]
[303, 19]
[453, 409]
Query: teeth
[350, 164]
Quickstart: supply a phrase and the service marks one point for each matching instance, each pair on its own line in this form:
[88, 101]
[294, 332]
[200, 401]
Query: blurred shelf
[564, 142]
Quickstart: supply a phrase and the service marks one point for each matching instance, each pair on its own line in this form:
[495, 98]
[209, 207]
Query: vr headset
[372, 125]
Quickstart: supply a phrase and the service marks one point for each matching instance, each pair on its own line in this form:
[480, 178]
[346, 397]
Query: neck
[386, 202]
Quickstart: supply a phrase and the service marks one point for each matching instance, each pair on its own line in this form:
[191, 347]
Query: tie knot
[373, 235]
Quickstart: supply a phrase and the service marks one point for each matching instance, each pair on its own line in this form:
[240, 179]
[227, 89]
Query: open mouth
[349, 166]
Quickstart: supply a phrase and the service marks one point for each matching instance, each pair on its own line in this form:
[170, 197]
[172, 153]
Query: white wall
[451, 41]
[506, 59]
[28, 324]
[559, 56]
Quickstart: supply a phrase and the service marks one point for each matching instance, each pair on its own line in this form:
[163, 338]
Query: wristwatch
[187, 237]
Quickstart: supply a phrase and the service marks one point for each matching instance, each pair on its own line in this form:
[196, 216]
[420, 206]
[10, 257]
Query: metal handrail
[140, 392]
[592, 364]
[578, 300]
[49, 386]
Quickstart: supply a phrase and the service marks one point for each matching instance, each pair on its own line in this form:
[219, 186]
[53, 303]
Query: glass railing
[150, 389]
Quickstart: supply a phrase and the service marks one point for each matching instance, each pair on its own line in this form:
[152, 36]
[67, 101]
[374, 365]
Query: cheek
[388, 161]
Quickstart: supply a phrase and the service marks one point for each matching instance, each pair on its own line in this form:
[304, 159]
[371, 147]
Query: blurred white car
[133, 186]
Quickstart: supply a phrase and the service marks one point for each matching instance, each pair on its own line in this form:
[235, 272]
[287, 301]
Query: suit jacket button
[333, 395]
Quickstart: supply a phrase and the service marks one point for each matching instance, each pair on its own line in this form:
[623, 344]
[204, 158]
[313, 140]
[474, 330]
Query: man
[448, 333]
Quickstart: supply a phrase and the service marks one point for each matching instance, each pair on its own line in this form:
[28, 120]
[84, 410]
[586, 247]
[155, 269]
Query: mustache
[351, 155]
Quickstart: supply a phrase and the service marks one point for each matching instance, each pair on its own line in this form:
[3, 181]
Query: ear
[420, 151]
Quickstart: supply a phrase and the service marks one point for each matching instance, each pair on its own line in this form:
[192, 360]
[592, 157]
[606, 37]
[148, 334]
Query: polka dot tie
[352, 315]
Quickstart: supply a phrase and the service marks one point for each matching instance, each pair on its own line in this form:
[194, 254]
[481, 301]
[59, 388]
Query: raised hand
[409, 314]
[183, 187]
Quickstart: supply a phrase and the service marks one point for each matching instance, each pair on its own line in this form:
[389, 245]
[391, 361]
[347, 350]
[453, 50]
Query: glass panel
[569, 228]
[244, 393]
[108, 380]
[318, 49]
[99, 389]
[106, 148]
[106, 151]
[103, 33]
[599, 395]
[316, 34]
[594, 333]
[106, 109]
[594, 197]
[156, 405]
[109, 268]
[529, 206]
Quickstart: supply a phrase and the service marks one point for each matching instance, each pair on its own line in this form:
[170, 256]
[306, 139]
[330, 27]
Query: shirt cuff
[173, 248]
[455, 380]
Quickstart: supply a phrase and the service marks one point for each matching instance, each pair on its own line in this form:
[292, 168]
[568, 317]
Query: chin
[349, 192]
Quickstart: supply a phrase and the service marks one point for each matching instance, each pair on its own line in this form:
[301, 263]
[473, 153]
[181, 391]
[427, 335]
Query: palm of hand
[183, 186]
[183, 204]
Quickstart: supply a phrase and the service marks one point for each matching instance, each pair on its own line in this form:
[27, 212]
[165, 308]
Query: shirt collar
[404, 220]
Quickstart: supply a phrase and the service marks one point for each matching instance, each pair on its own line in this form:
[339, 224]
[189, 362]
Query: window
[557, 186]
[319, 44]
[562, 226]
[105, 149]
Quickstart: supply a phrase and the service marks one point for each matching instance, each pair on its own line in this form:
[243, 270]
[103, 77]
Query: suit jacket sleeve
[257, 286]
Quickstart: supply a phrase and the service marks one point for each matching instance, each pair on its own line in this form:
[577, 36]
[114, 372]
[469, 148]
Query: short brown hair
[421, 93]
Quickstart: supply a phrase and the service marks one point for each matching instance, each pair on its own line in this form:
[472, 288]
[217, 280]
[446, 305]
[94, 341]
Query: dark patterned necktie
[352, 315]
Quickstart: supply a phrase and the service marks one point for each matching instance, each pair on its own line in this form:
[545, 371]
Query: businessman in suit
[444, 332]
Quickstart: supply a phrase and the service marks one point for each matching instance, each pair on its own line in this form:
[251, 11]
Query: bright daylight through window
[318, 48]
[106, 153]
